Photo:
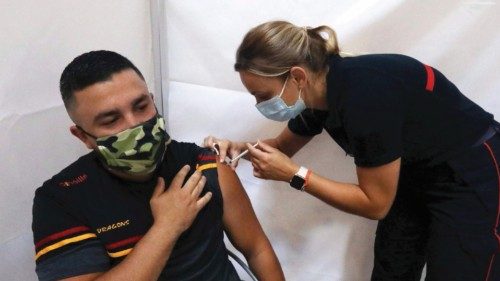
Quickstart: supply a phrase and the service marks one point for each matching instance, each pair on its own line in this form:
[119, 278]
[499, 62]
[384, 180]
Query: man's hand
[176, 208]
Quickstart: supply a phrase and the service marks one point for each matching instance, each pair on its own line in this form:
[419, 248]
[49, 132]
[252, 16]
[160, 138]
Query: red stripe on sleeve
[429, 86]
[123, 242]
[206, 158]
[495, 227]
[61, 234]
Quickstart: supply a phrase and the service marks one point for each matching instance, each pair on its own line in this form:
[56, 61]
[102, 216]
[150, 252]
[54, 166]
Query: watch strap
[299, 180]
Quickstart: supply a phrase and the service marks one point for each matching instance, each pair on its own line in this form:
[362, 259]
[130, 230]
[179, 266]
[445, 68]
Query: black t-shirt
[86, 220]
[386, 106]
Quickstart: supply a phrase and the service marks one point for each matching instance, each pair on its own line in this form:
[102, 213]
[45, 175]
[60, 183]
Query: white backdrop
[313, 241]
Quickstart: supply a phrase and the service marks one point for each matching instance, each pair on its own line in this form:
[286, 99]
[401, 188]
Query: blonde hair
[272, 48]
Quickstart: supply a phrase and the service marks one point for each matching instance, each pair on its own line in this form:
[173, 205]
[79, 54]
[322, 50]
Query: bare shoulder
[230, 184]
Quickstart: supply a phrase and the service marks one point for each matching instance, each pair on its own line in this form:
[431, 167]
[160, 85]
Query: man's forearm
[147, 259]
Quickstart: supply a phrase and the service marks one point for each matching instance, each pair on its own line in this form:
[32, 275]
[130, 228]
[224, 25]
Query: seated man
[140, 206]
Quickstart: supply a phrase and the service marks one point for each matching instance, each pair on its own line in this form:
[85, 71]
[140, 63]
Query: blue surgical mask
[276, 109]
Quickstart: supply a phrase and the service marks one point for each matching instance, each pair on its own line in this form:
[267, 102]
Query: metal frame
[158, 34]
[242, 264]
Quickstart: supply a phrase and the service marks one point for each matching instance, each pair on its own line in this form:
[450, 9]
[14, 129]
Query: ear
[299, 75]
[87, 140]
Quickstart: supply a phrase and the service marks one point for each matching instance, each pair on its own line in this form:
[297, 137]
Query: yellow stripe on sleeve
[206, 166]
[63, 243]
[120, 253]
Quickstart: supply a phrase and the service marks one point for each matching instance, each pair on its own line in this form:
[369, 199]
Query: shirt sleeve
[373, 118]
[87, 257]
[308, 122]
[64, 246]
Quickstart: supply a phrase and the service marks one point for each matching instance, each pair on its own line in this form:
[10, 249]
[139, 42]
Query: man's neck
[128, 177]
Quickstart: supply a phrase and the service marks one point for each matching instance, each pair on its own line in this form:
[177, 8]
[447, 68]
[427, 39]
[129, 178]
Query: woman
[426, 156]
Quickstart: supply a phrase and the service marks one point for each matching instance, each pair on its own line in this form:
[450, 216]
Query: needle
[242, 154]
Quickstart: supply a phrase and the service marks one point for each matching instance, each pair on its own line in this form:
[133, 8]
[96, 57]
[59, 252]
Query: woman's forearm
[347, 197]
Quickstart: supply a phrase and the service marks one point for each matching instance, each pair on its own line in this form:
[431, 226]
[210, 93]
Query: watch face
[297, 182]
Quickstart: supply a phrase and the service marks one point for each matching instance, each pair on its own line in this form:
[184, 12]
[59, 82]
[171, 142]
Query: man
[139, 206]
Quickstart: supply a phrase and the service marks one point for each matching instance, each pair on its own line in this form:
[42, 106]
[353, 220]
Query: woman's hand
[269, 163]
[226, 148]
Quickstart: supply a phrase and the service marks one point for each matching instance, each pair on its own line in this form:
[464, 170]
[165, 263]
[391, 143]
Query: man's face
[109, 107]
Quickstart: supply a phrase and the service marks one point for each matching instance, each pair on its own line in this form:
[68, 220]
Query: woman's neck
[316, 97]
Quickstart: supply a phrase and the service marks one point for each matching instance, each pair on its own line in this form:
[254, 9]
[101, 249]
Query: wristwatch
[299, 179]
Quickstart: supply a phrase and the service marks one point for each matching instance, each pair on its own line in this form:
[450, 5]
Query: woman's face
[264, 88]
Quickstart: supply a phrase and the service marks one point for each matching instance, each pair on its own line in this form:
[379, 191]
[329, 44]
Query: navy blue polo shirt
[86, 220]
[386, 106]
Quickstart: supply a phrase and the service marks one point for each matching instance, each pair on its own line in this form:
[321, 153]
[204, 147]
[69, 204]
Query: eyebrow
[115, 111]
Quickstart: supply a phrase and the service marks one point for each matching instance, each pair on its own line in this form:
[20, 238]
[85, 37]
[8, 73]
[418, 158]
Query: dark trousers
[447, 216]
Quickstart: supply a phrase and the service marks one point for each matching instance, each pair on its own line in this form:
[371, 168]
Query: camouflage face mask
[135, 151]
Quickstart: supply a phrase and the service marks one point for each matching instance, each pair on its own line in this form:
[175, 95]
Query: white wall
[38, 39]
[314, 241]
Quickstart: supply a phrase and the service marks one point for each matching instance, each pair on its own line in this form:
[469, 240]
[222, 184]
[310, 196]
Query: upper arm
[289, 143]
[380, 186]
[300, 130]
[240, 222]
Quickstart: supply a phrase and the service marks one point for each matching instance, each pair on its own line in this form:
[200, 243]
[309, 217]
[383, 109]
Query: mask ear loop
[284, 85]
[87, 133]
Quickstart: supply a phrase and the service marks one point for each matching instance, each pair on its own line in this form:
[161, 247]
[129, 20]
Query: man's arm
[174, 211]
[145, 262]
[243, 228]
